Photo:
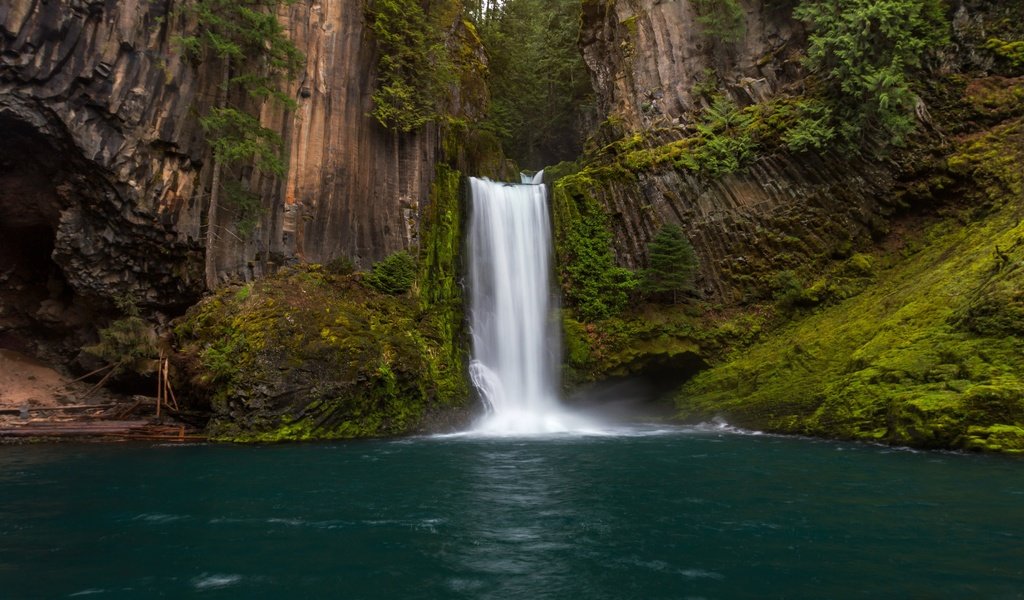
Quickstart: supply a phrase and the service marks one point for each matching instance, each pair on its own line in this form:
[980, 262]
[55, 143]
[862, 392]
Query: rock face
[780, 213]
[104, 169]
[104, 158]
[647, 56]
[653, 64]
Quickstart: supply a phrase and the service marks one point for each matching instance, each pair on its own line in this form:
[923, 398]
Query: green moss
[630, 24]
[993, 160]
[307, 354]
[1010, 51]
[996, 438]
[592, 284]
[725, 138]
[912, 359]
[440, 291]
[646, 337]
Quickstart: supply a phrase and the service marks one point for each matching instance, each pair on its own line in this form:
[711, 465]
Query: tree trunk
[211, 212]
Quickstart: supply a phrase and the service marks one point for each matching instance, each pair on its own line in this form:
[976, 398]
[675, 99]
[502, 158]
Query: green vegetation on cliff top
[540, 89]
[414, 70]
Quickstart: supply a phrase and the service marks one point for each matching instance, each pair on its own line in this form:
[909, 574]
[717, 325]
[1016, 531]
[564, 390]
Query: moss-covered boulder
[307, 354]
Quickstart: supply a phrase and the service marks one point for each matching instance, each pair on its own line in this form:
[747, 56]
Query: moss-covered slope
[308, 354]
[929, 355]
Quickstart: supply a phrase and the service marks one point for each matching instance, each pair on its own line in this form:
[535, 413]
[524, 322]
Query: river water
[639, 513]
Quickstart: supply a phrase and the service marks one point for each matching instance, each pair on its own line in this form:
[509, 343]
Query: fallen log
[139, 430]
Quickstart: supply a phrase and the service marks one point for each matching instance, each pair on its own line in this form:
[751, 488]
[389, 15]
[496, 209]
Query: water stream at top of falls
[516, 342]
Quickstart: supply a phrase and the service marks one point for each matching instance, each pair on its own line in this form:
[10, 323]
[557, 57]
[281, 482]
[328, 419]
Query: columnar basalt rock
[115, 165]
[654, 65]
[780, 213]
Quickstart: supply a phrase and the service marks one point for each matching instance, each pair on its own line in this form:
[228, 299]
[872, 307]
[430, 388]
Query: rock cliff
[654, 66]
[646, 57]
[913, 340]
[105, 177]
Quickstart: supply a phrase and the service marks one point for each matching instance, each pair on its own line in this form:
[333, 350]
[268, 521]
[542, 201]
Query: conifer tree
[672, 264]
[254, 53]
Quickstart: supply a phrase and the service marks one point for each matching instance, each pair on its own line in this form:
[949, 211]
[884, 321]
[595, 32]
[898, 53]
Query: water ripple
[215, 581]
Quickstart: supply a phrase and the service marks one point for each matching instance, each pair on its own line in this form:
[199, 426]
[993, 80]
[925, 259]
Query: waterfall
[515, 328]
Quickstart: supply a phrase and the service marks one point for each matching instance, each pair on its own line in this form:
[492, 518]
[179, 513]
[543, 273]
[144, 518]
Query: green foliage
[789, 291]
[310, 355]
[255, 54]
[393, 275]
[866, 51]
[414, 68]
[236, 136]
[129, 343]
[722, 19]
[240, 31]
[926, 350]
[540, 88]
[727, 143]
[672, 263]
[812, 128]
[340, 265]
[1010, 51]
[245, 205]
[592, 284]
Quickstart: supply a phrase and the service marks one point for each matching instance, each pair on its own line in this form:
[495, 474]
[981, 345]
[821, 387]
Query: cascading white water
[515, 331]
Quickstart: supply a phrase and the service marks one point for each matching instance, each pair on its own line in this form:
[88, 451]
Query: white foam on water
[215, 581]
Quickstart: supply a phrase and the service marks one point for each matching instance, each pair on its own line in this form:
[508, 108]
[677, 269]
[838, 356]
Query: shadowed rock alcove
[40, 313]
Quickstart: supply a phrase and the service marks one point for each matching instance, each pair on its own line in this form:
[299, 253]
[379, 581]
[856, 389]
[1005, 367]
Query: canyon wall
[646, 57]
[105, 156]
[654, 66]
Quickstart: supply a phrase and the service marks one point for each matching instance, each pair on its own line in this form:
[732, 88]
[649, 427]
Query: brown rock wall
[783, 211]
[101, 88]
[646, 56]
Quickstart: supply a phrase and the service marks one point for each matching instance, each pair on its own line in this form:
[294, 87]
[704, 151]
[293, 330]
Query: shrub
[129, 343]
[725, 131]
[393, 275]
[722, 19]
[812, 128]
[341, 265]
[789, 291]
[866, 51]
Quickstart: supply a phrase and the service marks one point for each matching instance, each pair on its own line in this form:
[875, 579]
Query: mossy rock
[307, 354]
[922, 345]
[919, 358]
[996, 438]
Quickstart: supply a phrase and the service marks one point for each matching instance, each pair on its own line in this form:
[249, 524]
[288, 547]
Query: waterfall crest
[515, 329]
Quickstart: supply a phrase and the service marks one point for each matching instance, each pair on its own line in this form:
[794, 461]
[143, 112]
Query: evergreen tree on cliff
[254, 54]
[672, 264]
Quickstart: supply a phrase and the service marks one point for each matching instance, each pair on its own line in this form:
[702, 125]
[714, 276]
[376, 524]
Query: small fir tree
[672, 263]
[129, 343]
[393, 275]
